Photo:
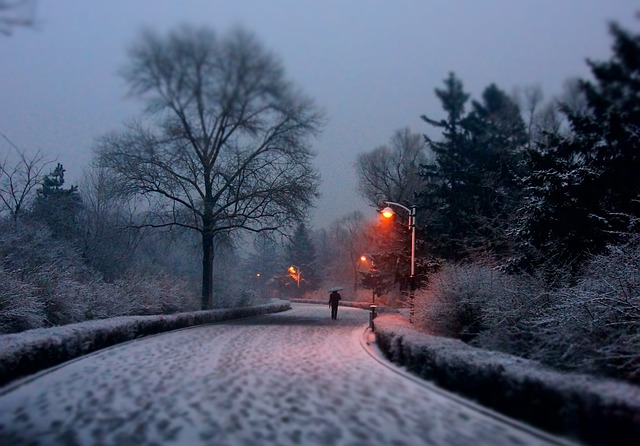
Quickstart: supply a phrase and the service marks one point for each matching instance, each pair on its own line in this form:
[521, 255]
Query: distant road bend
[292, 378]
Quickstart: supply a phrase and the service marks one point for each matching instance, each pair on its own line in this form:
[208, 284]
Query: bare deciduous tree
[15, 13]
[391, 172]
[549, 121]
[572, 97]
[227, 143]
[529, 99]
[350, 231]
[108, 242]
[19, 177]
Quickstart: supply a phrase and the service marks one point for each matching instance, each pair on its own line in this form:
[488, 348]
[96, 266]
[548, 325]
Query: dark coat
[334, 298]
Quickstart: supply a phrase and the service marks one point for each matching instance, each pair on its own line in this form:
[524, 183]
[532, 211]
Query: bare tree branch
[225, 143]
[19, 177]
[391, 172]
[16, 13]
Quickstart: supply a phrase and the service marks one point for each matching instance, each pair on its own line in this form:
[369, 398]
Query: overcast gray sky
[371, 64]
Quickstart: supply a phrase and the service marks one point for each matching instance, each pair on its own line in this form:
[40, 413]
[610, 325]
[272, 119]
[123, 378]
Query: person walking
[334, 299]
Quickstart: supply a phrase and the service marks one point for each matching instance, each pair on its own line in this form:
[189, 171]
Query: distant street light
[364, 259]
[388, 212]
[297, 272]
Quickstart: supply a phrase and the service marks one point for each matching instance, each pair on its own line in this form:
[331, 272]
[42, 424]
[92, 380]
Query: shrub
[590, 326]
[452, 304]
[45, 282]
[486, 307]
[20, 309]
[594, 326]
[146, 294]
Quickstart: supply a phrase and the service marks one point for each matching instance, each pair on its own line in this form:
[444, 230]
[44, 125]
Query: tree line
[522, 183]
[222, 147]
[527, 217]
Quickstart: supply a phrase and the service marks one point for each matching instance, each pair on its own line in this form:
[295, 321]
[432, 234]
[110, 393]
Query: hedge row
[22, 354]
[588, 409]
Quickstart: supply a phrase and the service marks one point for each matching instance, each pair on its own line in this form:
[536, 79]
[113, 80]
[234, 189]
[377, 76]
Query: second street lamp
[388, 212]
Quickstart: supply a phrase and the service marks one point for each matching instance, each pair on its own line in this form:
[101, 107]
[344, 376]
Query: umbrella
[335, 288]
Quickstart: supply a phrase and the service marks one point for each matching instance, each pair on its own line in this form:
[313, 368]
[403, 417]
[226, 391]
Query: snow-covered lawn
[291, 378]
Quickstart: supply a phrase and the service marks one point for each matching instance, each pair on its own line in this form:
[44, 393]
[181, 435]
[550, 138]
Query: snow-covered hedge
[33, 350]
[592, 410]
[587, 323]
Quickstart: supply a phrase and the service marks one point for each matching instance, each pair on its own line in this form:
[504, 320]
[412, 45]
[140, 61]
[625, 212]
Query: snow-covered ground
[27, 352]
[292, 378]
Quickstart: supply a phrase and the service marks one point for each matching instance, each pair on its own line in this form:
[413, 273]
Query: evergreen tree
[301, 254]
[57, 206]
[608, 137]
[584, 188]
[498, 136]
[377, 280]
[265, 266]
[470, 187]
[442, 198]
[389, 260]
[267, 260]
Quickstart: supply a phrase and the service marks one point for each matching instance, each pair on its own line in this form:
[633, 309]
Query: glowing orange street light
[363, 261]
[295, 272]
[387, 212]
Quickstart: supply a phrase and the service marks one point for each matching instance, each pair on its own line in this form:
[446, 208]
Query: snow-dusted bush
[63, 291]
[20, 309]
[595, 325]
[590, 326]
[45, 282]
[49, 268]
[450, 306]
[469, 300]
[143, 294]
[511, 313]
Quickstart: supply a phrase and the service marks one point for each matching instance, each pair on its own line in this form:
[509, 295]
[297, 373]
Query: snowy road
[293, 378]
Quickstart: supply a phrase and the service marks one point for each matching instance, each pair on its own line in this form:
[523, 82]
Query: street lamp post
[388, 212]
[363, 259]
[296, 270]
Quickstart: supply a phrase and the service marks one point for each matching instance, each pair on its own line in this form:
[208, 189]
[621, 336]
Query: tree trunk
[355, 266]
[356, 270]
[207, 270]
